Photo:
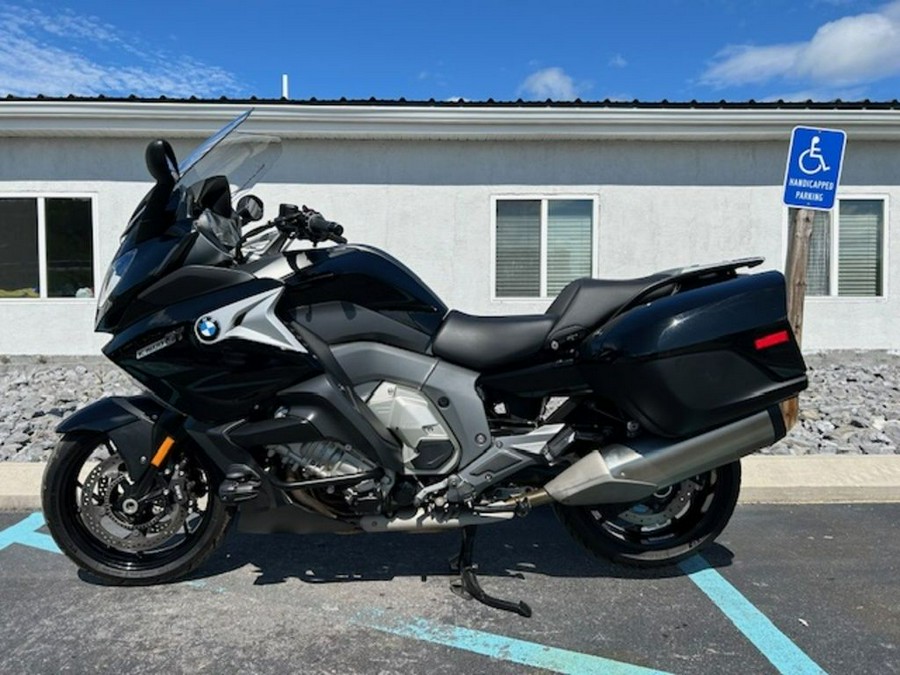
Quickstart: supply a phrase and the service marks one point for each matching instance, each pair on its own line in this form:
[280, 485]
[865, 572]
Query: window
[846, 249]
[541, 245]
[46, 247]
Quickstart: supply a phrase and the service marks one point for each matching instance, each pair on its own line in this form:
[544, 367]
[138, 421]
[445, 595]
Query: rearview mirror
[161, 161]
[249, 208]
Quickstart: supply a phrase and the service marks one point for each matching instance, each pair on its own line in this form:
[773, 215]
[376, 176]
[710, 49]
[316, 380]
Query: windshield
[203, 149]
[240, 156]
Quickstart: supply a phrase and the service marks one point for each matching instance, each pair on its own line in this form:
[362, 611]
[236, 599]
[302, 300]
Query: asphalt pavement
[791, 589]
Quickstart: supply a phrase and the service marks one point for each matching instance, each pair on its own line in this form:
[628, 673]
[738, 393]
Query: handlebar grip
[320, 227]
[317, 224]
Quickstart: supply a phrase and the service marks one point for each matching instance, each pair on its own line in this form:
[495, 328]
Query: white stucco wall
[661, 205]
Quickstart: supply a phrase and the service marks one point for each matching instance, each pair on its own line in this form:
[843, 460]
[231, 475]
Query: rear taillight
[771, 340]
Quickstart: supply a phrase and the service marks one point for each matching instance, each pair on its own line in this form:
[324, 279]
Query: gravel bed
[37, 393]
[851, 407]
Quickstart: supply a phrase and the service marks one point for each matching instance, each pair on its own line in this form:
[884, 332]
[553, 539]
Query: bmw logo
[207, 328]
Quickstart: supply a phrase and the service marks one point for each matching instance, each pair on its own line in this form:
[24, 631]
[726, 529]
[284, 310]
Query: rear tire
[200, 530]
[673, 524]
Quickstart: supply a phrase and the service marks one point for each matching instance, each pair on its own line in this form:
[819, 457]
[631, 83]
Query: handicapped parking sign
[814, 167]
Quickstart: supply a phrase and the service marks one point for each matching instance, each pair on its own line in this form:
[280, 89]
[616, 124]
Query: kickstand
[467, 585]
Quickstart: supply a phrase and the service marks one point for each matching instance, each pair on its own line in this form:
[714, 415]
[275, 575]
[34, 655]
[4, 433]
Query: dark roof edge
[489, 103]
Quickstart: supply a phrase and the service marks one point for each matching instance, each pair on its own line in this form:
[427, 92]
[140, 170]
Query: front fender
[129, 422]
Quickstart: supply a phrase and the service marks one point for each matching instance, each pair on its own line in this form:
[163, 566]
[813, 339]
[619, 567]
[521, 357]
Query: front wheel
[123, 540]
[667, 527]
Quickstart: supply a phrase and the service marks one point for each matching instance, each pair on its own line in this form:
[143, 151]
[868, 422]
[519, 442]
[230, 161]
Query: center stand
[467, 585]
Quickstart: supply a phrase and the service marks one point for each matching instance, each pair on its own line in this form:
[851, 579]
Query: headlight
[114, 275]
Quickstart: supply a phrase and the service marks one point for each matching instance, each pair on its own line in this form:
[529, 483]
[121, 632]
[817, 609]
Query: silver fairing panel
[251, 319]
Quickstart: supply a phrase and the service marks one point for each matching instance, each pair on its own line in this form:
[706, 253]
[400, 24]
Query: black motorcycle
[327, 389]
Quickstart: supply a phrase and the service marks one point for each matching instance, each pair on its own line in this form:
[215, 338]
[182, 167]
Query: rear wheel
[124, 540]
[669, 526]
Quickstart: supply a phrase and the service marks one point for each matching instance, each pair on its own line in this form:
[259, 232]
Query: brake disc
[152, 524]
[665, 505]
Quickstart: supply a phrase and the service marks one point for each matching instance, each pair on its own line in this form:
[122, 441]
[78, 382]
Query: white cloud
[549, 83]
[849, 51]
[744, 64]
[47, 54]
[618, 61]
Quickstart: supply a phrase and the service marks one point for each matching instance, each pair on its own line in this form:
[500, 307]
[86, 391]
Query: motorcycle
[310, 388]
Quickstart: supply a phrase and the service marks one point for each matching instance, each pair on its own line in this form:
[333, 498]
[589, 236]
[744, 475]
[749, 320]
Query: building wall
[661, 205]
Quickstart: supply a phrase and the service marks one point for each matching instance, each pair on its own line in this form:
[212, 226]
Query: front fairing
[158, 241]
[210, 381]
[134, 268]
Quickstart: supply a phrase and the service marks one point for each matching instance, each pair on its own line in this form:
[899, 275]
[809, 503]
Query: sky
[650, 50]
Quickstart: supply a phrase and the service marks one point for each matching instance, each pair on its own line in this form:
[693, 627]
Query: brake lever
[287, 224]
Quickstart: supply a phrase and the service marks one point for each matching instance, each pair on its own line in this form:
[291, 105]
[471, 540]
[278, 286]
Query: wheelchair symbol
[812, 156]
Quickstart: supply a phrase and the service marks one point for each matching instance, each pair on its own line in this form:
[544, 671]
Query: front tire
[164, 541]
[671, 525]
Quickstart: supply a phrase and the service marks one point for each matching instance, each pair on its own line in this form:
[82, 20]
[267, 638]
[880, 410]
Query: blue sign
[814, 167]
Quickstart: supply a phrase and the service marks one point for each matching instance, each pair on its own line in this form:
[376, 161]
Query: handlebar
[303, 223]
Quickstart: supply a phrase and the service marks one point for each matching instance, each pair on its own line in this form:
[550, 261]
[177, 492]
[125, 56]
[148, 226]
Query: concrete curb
[767, 479]
[20, 485]
[820, 479]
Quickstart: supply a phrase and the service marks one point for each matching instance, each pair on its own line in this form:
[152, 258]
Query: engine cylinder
[322, 459]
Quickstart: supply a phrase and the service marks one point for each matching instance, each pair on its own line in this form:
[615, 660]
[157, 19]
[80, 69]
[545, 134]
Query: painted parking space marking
[500, 647]
[25, 533]
[781, 652]
[771, 642]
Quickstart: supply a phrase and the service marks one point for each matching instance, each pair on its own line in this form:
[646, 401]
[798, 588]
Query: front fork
[142, 490]
[146, 436]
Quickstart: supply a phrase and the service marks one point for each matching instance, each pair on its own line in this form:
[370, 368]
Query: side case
[700, 358]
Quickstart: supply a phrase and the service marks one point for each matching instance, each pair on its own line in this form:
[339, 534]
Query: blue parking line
[500, 647]
[762, 633]
[25, 532]
[774, 645]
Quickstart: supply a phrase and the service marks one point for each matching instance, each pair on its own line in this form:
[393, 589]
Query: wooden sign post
[795, 274]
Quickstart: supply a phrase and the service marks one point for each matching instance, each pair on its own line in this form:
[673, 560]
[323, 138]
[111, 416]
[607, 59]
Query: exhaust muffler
[632, 472]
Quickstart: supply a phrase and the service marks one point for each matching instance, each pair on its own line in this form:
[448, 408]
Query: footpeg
[467, 586]
[241, 484]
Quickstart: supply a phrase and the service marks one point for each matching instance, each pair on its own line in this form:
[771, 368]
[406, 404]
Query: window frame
[544, 198]
[835, 244]
[41, 198]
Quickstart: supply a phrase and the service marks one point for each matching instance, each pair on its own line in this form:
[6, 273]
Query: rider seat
[490, 342]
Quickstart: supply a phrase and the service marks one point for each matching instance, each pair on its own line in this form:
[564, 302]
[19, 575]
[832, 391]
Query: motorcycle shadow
[535, 545]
